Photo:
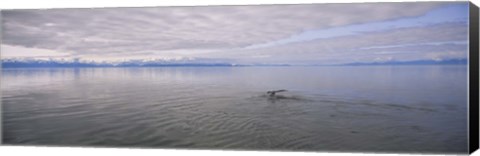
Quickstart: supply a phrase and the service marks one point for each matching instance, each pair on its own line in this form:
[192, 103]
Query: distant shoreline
[55, 64]
[385, 65]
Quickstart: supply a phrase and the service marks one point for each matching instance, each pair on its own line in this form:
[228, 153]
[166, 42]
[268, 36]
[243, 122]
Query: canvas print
[354, 77]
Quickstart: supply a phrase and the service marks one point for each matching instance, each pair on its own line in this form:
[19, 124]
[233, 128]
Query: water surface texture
[338, 108]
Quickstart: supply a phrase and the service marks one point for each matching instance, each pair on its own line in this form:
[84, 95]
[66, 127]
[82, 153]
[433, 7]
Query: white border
[81, 151]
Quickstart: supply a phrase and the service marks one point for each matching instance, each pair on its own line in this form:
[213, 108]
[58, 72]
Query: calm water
[369, 108]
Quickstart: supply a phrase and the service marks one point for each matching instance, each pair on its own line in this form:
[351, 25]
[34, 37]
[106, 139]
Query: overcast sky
[296, 34]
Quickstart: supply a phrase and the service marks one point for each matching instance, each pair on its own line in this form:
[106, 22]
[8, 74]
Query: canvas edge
[473, 136]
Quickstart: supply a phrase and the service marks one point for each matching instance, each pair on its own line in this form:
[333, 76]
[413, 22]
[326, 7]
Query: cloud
[123, 31]
[447, 40]
[19, 52]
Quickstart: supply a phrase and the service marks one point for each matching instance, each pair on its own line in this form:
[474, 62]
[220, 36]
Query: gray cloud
[122, 31]
[424, 42]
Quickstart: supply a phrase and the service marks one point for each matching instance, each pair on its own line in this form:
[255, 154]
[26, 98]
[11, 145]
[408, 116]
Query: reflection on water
[374, 108]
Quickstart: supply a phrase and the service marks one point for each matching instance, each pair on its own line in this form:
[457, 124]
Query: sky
[284, 34]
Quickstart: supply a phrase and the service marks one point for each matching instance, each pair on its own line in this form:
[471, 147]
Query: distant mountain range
[29, 63]
[416, 62]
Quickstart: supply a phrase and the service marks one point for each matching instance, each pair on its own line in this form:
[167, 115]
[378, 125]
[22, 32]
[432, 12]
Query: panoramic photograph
[353, 77]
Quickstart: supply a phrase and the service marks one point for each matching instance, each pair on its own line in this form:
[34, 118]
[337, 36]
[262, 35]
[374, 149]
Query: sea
[381, 108]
